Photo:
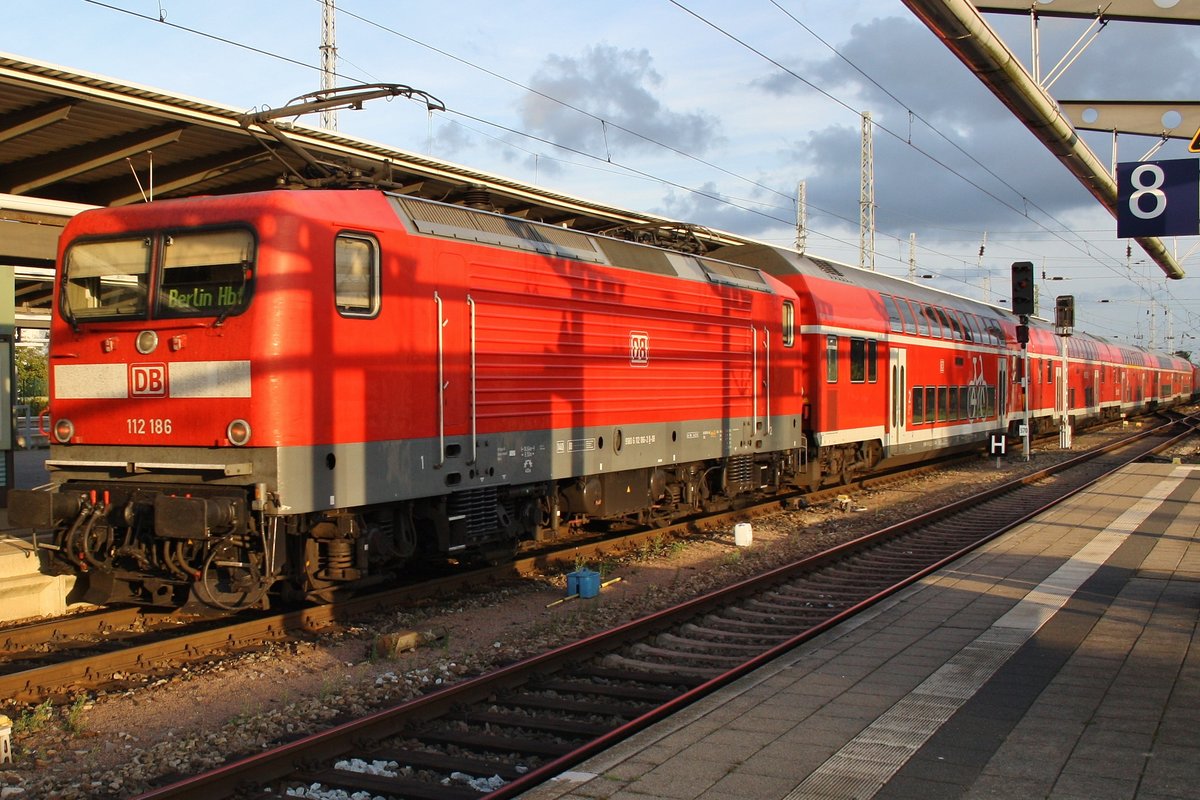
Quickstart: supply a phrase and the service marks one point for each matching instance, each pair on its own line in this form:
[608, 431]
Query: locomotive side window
[356, 275]
[831, 359]
[205, 273]
[789, 323]
[106, 279]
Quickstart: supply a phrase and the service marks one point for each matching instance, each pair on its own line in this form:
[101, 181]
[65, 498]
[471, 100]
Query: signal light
[1022, 288]
[1064, 311]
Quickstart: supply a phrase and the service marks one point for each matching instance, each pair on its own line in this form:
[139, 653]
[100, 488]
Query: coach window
[922, 325]
[356, 275]
[872, 361]
[831, 359]
[889, 303]
[918, 404]
[976, 328]
[935, 327]
[789, 323]
[994, 332]
[930, 403]
[906, 312]
[957, 325]
[858, 360]
[943, 317]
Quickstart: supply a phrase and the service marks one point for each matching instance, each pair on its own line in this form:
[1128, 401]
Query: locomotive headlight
[238, 432]
[64, 430]
[146, 342]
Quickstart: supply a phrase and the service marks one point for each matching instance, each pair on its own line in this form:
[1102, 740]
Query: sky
[708, 112]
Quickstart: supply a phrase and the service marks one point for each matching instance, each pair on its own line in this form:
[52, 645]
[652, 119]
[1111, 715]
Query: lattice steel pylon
[866, 198]
[801, 216]
[328, 61]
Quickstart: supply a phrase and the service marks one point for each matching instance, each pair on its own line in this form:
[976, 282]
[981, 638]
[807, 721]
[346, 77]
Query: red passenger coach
[897, 371]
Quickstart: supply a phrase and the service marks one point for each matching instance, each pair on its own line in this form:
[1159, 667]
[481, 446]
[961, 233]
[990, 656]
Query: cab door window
[356, 275]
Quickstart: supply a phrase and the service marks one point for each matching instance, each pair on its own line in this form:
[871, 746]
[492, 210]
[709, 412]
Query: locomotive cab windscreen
[206, 273]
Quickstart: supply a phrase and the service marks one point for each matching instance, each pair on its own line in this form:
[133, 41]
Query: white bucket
[742, 534]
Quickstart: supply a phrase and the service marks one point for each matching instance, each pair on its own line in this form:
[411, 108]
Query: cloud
[618, 86]
[959, 159]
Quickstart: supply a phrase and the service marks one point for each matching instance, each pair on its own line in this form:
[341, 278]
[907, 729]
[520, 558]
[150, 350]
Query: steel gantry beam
[1124, 11]
[965, 33]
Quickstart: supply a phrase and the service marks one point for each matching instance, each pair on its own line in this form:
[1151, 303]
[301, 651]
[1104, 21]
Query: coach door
[1002, 391]
[898, 400]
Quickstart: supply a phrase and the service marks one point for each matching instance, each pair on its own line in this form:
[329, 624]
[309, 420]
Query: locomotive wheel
[231, 579]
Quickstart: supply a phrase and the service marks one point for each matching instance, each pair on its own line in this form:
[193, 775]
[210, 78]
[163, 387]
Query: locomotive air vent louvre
[566, 238]
[456, 222]
[634, 256]
[724, 272]
[479, 507]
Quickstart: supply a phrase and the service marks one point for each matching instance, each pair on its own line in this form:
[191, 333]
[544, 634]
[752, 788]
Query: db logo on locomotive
[147, 380]
[639, 348]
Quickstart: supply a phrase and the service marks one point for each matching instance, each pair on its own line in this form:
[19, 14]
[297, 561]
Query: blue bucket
[583, 582]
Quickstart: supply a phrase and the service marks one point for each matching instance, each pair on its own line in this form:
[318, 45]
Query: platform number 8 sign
[1158, 198]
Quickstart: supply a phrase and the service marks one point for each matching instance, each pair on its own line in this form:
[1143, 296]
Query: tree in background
[32, 375]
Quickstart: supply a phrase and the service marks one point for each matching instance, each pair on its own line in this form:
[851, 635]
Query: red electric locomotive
[303, 391]
[311, 389]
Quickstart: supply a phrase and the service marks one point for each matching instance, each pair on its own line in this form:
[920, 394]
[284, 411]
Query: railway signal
[1022, 288]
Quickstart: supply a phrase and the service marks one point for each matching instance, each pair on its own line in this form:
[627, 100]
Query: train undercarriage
[218, 548]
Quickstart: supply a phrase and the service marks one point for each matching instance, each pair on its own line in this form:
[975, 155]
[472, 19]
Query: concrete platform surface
[24, 591]
[1057, 662]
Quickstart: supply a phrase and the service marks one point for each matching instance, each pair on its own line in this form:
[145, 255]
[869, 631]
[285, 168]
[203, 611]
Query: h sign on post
[1158, 198]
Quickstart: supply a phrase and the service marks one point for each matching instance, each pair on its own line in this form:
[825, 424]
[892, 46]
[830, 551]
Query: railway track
[120, 647]
[504, 732]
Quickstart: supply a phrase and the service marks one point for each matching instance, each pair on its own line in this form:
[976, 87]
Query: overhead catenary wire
[753, 207]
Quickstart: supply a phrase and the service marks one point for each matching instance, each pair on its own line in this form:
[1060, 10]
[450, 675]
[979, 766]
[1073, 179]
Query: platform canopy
[85, 139]
[69, 140]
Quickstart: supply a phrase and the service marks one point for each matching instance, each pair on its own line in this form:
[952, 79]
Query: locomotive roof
[445, 220]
